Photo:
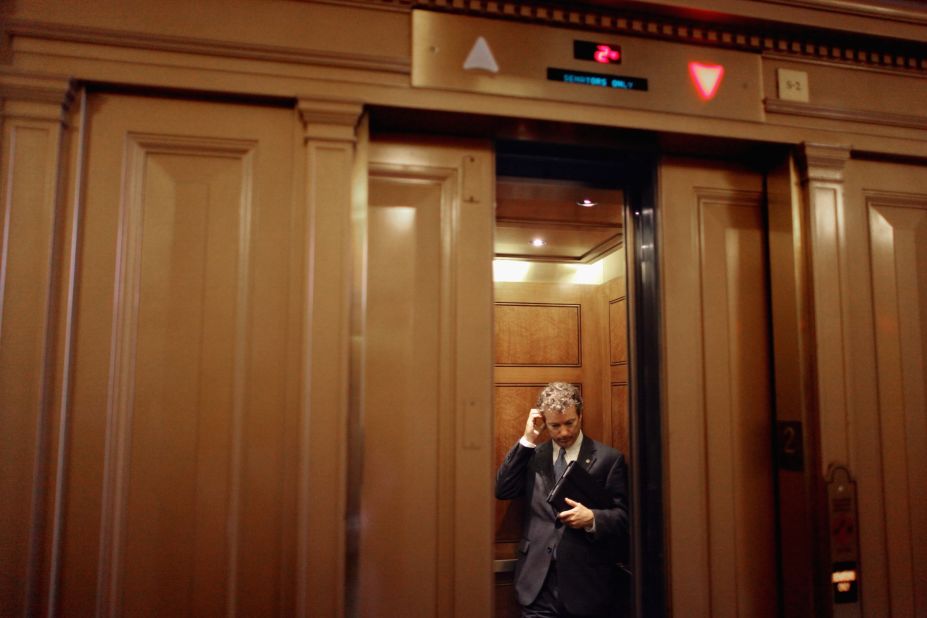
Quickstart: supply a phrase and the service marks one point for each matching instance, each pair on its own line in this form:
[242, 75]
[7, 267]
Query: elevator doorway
[686, 392]
[560, 308]
[681, 384]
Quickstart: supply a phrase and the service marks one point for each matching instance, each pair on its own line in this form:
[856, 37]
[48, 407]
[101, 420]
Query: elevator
[270, 310]
[569, 294]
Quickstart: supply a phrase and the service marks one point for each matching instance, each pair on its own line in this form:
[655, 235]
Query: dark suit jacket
[586, 562]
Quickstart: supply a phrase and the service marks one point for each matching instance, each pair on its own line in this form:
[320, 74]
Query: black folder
[576, 484]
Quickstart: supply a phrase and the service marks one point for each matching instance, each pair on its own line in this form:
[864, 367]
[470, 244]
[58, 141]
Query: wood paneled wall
[618, 365]
[163, 419]
[424, 514]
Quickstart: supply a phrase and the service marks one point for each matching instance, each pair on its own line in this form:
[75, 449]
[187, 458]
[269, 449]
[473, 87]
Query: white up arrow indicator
[481, 58]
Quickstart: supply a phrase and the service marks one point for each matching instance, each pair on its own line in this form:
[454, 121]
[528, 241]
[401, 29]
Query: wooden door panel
[424, 502]
[898, 237]
[176, 496]
[718, 411]
[400, 468]
[886, 222]
[737, 403]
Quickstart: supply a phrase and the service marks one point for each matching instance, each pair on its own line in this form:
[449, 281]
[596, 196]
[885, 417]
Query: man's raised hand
[535, 426]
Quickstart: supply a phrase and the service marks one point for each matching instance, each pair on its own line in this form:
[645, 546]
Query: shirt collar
[572, 452]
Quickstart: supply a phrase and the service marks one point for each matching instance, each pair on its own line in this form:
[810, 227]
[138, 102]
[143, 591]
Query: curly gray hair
[558, 396]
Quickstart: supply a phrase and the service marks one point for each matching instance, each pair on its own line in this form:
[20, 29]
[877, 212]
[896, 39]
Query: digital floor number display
[606, 54]
[603, 53]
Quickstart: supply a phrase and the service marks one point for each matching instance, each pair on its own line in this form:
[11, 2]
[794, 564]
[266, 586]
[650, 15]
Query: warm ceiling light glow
[538, 242]
[510, 270]
[707, 78]
[587, 203]
[589, 273]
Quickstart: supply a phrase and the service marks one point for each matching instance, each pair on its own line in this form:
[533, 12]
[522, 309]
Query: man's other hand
[578, 516]
[534, 426]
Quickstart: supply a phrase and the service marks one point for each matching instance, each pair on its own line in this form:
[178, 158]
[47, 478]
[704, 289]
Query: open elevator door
[422, 516]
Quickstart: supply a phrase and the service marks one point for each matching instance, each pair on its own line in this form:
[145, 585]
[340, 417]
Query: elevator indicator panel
[601, 80]
[624, 70]
[603, 53]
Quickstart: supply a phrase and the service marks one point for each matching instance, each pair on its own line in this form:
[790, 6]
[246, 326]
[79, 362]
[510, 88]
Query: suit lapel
[587, 450]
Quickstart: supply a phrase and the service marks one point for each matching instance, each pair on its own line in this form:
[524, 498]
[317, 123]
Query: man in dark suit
[567, 561]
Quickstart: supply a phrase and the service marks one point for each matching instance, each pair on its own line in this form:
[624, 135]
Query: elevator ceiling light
[538, 242]
[587, 203]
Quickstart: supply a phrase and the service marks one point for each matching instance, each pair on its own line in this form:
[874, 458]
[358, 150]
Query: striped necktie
[560, 464]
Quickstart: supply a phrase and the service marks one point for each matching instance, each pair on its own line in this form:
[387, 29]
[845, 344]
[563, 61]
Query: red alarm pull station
[707, 78]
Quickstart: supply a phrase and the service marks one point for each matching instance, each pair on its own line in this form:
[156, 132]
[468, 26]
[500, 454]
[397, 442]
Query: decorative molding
[400, 6]
[47, 97]
[914, 13]
[908, 121]
[895, 199]
[330, 119]
[823, 162]
[731, 197]
[756, 36]
[204, 47]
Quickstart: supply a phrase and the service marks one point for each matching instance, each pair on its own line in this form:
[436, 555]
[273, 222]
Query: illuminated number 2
[605, 54]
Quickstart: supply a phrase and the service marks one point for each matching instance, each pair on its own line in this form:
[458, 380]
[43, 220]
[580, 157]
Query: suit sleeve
[510, 480]
[613, 521]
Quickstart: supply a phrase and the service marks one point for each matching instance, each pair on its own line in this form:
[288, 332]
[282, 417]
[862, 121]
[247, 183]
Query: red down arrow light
[707, 78]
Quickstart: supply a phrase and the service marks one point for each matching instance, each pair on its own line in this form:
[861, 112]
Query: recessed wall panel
[538, 334]
[401, 420]
[185, 428]
[617, 331]
[621, 422]
[898, 245]
[180, 456]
